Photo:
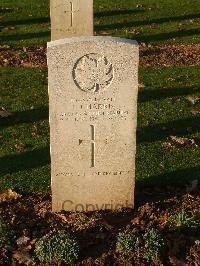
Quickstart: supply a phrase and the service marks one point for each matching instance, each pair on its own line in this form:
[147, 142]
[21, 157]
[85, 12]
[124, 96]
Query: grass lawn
[163, 111]
[26, 22]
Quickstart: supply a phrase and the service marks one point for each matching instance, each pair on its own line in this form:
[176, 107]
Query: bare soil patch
[30, 217]
[170, 55]
[165, 55]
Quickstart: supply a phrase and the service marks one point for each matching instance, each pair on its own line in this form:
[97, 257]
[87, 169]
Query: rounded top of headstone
[91, 38]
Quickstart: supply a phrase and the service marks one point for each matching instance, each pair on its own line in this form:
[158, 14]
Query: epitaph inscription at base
[93, 85]
[71, 18]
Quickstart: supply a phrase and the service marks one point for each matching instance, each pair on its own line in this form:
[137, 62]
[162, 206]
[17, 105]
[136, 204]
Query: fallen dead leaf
[23, 258]
[22, 241]
[8, 195]
[20, 146]
[196, 113]
[104, 33]
[64, 218]
[193, 100]
[136, 31]
[179, 26]
[176, 262]
[183, 141]
[24, 244]
[139, 5]
[162, 220]
[27, 64]
[4, 113]
[191, 21]
[10, 28]
[193, 257]
[135, 221]
[167, 145]
[34, 134]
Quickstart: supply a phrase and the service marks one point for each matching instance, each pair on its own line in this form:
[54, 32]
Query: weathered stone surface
[93, 84]
[71, 18]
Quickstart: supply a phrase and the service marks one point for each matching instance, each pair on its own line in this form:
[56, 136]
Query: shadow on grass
[26, 21]
[128, 24]
[177, 177]
[119, 12]
[168, 35]
[149, 95]
[167, 185]
[163, 130]
[154, 37]
[24, 161]
[19, 37]
[27, 116]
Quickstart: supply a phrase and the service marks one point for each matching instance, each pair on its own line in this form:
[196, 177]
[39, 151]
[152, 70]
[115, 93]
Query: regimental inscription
[93, 73]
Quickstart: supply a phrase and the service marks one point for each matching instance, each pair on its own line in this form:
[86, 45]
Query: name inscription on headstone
[95, 109]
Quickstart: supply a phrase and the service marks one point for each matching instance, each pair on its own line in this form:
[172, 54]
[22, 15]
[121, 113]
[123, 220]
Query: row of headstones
[93, 84]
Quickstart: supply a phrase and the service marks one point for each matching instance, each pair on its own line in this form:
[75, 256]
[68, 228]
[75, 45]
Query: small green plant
[154, 245]
[183, 220]
[3, 232]
[126, 242]
[57, 246]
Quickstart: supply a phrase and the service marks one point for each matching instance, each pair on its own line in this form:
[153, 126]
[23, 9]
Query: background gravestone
[93, 84]
[71, 18]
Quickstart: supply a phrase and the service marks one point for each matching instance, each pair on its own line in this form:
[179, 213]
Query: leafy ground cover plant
[184, 221]
[126, 243]
[58, 246]
[154, 245]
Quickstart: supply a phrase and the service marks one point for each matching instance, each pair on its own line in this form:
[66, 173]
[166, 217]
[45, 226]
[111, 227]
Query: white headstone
[93, 85]
[71, 18]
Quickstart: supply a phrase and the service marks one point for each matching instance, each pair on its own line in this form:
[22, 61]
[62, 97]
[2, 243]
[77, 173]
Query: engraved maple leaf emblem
[93, 72]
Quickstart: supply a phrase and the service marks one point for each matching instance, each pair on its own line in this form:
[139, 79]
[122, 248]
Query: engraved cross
[72, 11]
[92, 142]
